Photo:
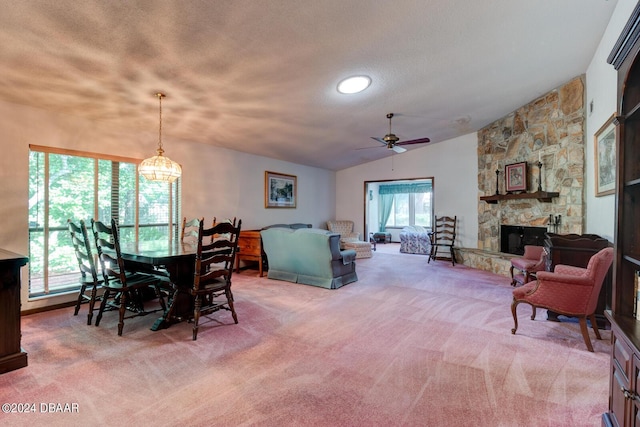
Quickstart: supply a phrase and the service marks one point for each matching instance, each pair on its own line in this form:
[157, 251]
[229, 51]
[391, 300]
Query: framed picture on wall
[515, 176]
[605, 158]
[280, 190]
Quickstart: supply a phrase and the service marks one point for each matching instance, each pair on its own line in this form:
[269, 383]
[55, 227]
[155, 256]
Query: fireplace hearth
[513, 238]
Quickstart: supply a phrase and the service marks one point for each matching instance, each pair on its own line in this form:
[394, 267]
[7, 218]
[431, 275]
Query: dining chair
[123, 290]
[444, 235]
[213, 270]
[89, 281]
[189, 232]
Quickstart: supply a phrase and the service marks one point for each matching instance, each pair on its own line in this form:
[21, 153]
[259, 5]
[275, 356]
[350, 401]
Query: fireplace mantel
[542, 196]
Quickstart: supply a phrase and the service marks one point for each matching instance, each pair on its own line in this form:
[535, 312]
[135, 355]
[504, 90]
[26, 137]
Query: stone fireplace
[550, 130]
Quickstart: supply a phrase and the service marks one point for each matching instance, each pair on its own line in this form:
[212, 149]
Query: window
[410, 209]
[411, 204]
[73, 185]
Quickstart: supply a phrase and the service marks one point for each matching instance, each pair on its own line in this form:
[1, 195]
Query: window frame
[174, 207]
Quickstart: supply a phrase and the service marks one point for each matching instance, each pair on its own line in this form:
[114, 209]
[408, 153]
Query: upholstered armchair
[345, 229]
[528, 265]
[571, 291]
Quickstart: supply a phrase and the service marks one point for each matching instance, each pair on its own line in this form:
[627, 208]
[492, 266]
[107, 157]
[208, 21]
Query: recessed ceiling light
[354, 84]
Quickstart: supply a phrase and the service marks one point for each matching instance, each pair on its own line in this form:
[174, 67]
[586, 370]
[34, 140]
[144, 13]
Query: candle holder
[497, 182]
[539, 176]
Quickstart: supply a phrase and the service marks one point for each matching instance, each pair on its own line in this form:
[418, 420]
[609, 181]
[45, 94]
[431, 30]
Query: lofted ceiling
[260, 76]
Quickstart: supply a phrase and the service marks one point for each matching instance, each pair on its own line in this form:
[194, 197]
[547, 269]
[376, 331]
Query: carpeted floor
[409, 344]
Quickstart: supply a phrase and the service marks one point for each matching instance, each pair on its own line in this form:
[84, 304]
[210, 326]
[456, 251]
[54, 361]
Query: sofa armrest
[348, 256]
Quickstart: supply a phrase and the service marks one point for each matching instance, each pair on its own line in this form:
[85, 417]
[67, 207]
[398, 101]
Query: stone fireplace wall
[551, 129]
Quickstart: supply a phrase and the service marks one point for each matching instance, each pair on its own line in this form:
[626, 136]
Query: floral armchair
[345, 229]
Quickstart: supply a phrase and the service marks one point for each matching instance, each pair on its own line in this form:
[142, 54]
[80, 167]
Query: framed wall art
[515, 176]
[280, 190]
[605, 158]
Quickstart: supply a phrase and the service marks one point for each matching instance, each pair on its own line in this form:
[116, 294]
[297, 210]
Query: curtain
[386, 202]
[421, 187]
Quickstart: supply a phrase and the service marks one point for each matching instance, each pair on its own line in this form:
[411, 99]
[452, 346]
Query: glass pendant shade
[160, 167]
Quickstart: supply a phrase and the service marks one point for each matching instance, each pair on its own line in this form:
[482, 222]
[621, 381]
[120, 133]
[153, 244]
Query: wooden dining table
[179, 261]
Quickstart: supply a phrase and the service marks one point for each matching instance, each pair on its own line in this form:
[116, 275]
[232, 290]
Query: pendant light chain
[160, 96]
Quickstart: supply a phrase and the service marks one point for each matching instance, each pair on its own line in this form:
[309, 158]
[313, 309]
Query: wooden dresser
[249, 248]
[11, 354]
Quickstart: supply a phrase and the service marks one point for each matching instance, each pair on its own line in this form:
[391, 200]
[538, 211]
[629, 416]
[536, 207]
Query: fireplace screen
[513, 238]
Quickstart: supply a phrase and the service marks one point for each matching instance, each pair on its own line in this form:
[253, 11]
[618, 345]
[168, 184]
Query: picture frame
[280, 190]
[515, 176]
[604, 155]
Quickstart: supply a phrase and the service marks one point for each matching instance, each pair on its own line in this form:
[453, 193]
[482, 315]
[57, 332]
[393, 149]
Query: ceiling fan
[391, 141]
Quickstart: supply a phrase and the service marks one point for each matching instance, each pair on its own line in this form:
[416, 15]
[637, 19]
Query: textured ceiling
[260, 76]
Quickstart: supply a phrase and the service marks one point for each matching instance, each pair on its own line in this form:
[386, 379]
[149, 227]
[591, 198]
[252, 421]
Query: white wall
[216, 182]
[453, 164]
[602, 91]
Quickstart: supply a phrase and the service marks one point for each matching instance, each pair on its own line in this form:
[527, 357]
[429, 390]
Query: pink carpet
[409, 344]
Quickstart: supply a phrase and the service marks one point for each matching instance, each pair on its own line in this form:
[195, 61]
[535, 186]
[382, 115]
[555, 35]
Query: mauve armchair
[527, 265]
[571, 291]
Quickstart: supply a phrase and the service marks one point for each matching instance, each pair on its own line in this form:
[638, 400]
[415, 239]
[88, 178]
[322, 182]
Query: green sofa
[308, 255]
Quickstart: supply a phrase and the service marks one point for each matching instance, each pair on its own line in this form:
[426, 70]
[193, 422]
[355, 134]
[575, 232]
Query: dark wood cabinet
[11, 354]
[624, 392]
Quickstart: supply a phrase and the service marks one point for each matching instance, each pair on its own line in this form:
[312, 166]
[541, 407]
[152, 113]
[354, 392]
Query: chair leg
[514, 309]
[594, 326]
[585, 333]
[121, 311]
[230, 302]
[196, 316]
[92, 304]
[160, 298]
[83, 288]
[453, 256]
[103, 305]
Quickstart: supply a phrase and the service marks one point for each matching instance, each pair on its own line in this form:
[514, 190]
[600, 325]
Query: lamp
[159, 167]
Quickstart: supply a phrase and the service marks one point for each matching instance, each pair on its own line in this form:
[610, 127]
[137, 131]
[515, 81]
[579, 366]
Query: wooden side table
[249, 248]
[11, 354]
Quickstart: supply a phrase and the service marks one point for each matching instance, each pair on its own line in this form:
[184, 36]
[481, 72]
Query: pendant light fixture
[159, 167]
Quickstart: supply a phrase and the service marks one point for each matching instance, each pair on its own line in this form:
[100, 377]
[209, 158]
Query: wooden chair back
[189, 232]
[215, 258]
[82, 249]
[108, 246]
[444, 231]
[89, 282]
[443, 235]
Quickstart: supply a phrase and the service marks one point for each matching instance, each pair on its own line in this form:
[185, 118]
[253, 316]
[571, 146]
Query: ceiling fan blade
[414, 141]
[398, 149]
[380, 140]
